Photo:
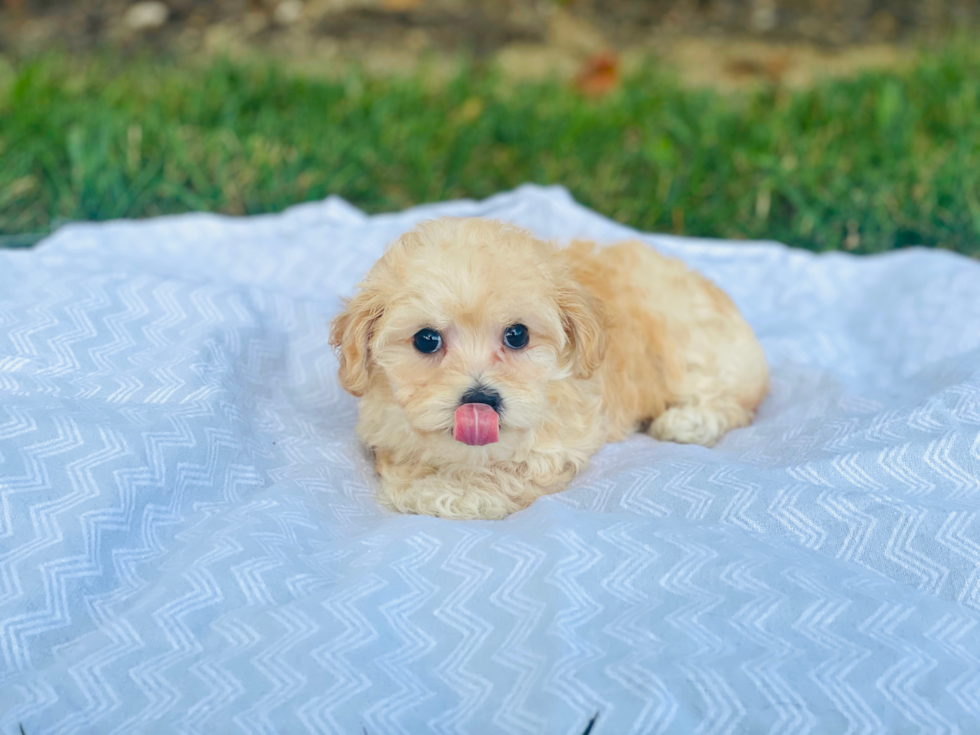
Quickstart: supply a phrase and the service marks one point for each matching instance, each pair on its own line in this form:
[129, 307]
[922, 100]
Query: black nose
[483, 395]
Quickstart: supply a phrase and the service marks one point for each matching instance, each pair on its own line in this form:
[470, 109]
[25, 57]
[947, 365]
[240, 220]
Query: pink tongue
[476, 424]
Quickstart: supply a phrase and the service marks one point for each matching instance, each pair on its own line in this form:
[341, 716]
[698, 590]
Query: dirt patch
[471, 32]
[722, 43]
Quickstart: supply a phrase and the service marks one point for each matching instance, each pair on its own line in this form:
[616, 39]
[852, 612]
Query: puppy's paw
[703, 425]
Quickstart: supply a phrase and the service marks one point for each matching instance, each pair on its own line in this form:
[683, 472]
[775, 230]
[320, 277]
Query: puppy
[492, 365]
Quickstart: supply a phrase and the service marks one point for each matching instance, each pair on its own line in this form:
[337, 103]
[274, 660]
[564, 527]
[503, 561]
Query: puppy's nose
[484, 395]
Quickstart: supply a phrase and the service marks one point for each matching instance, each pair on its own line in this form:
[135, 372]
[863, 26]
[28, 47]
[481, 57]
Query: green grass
[870, 164]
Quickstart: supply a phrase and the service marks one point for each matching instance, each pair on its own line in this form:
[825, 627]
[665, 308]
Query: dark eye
[516, 336]
[427, 341]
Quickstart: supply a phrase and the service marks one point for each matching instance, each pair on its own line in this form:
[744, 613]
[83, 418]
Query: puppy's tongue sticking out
[476, 424]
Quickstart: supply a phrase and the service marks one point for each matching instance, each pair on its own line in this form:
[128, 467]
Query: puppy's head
[468, 313]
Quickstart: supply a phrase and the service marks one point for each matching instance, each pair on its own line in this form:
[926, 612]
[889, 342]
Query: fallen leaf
[599, 75]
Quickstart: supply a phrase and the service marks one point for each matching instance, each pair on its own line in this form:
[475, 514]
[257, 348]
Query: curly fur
[622, 338]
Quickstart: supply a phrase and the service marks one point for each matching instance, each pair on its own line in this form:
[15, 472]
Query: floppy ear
[585, 325]
[350, 333]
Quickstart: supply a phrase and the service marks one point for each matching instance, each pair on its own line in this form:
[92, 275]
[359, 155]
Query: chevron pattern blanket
[189, 541]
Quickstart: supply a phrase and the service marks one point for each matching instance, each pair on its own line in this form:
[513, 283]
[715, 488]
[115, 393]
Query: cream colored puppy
[491, 365]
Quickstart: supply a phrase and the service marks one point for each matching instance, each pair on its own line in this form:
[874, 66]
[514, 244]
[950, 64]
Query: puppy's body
[679, 357]
[621, 339]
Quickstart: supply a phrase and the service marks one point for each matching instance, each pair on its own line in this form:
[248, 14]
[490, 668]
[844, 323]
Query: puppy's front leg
[459, 493]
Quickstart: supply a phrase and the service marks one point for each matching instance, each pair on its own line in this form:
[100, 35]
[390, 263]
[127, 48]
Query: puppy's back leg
[699, 422]
[716, 395]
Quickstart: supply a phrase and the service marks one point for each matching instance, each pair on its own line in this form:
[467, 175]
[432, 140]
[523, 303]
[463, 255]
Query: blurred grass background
[881, 161]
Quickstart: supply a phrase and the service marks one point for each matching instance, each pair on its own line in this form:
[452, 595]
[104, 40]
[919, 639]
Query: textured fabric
[189, 541]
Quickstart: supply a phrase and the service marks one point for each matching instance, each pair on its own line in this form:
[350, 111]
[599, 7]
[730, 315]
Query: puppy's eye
[516, 336]
[427, 341]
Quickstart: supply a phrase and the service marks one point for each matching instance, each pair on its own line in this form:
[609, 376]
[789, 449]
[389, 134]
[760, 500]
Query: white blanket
[189, 540]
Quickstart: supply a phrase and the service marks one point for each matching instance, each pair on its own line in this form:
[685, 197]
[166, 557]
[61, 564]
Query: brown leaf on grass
[600, 74]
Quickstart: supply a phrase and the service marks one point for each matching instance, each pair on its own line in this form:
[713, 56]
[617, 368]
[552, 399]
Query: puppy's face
[468, 312]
